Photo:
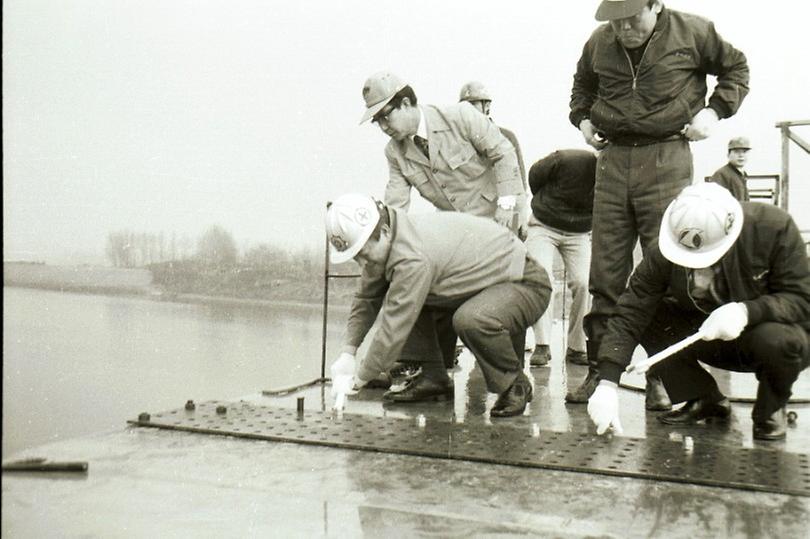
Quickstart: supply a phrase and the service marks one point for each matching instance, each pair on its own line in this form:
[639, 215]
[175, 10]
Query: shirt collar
[422, 129]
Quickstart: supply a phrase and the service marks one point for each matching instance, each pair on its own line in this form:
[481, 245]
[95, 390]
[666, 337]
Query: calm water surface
[76, 364]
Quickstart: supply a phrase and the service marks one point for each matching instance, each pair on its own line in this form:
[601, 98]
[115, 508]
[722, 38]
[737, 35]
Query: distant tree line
[215, 266]
[129, 249]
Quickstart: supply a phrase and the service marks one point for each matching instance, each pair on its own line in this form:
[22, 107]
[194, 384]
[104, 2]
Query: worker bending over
[738, 273]
[414, 265]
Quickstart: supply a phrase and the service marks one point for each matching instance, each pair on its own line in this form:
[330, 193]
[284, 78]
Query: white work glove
[589, 133]
[343, 370]
[603, 407]
[725, 322]
[701, 125]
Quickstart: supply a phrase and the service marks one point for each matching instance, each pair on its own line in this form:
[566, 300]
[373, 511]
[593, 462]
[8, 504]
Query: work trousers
[634, 185]
[491, 323]
[775, 352]
[575, 251]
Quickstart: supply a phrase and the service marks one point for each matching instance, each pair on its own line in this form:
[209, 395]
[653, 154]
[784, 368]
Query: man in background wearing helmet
[639, 95]
[477, 95]
[456, 159]
[732, 175]
[738, 274]
[413, 266]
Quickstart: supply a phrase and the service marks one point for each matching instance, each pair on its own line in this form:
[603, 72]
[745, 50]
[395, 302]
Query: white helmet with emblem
[700, 225]
[350, 220]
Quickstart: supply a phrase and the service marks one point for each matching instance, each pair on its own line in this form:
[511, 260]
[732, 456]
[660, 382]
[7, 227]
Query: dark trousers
[634, 185]
[432, 342]
[491, 323]
[775, 352]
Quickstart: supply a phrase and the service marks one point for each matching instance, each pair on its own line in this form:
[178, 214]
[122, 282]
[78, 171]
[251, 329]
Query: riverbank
[182, 285]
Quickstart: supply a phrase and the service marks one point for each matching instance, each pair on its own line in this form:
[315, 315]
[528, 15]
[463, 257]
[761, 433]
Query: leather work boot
[581, 394]
[773, 428]
[541, 356]
[513, 401]
[698, 410]
[576, 357]
[656, 399]
[422, 389]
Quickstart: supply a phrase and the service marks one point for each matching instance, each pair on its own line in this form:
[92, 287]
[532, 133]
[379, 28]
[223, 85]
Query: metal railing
[789, 135]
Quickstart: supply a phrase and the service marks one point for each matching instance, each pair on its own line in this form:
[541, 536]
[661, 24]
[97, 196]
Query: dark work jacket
[766, 269]
[562, 190]
[732, 179]
[669, 87]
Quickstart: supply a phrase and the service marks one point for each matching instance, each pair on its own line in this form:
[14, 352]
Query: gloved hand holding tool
[603, 407]
[725, 322]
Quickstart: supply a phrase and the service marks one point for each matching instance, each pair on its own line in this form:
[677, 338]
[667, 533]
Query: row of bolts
[421, 421]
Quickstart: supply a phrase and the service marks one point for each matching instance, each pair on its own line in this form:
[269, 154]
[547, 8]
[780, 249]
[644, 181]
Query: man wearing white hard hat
[413, 266]
[640, 96]
[737, 276]
[732, 175]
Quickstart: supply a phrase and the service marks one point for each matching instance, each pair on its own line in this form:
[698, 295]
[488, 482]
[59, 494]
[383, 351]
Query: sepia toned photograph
[430, 269]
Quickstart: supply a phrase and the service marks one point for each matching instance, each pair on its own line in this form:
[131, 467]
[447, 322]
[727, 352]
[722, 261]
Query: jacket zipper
[633, 72]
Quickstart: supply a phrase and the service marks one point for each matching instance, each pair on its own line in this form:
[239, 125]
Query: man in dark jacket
[732, 175]
[737, 275]
[639, 94]
[562, 208]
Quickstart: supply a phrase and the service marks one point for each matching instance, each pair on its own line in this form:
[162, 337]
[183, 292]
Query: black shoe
[576, 357]
[581, 394]
[697, 410]
[656, 399]
[541, 356]
[403, 371]
[513, 401]
[773, 428]
[422, 389]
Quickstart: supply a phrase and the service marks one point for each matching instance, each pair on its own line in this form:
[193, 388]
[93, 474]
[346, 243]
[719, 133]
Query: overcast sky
[170, 116]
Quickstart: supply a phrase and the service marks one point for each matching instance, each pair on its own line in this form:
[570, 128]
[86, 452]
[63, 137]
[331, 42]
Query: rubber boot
[581, 394]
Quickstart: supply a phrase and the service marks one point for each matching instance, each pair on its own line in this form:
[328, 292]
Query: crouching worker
[415, 265]
[738, 274]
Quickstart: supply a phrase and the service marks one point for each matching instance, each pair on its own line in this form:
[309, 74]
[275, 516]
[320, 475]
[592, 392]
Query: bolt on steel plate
[662, 460]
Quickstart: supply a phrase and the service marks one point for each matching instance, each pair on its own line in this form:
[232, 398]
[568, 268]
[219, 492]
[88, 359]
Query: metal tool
[643, 366]
[44, 465]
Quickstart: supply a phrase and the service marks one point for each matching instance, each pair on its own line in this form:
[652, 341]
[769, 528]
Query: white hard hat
[350, 220]
[700, 225]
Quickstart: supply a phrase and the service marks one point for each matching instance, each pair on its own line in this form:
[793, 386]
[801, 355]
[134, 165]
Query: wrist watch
[507, 202]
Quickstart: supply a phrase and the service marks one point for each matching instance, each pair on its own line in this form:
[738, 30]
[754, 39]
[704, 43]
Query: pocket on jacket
[463, 159]
[422, 183]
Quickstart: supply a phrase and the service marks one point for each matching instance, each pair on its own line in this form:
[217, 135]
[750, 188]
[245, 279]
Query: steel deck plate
[667, 460]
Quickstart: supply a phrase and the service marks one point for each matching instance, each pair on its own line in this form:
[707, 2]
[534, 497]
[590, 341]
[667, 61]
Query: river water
[75, 364]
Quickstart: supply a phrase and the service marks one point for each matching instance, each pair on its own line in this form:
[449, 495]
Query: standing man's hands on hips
[701, 125]
[590, 135]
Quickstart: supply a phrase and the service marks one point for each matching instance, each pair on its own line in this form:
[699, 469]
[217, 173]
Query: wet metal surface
[670, 460]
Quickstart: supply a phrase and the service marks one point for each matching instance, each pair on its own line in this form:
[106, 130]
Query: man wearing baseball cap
[732, 175]
[738, 275]
[640, 96]
[456, 158]
[453, 156]
[416, 265]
